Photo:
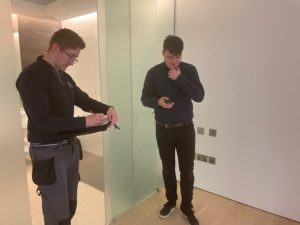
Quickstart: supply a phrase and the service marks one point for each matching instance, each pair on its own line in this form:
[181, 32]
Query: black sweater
[185, 88]
[49, 103]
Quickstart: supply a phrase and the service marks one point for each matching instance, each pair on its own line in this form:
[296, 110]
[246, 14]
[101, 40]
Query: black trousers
[180, 140]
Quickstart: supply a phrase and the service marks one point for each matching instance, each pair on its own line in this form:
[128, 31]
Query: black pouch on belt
[77, 141]
[43, 172]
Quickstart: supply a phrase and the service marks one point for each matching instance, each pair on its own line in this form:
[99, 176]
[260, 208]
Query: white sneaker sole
[166, 216]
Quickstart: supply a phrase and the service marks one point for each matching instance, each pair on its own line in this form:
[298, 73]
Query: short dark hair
[67, 38]
[174, 44]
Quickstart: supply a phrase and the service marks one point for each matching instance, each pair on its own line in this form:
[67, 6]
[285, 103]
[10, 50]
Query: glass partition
[134, 33]
[151, 21]
[118, 151]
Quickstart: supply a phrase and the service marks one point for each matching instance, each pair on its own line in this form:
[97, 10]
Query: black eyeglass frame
[72, 57]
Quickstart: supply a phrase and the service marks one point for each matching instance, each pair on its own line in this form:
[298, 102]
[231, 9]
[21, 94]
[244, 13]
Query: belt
[63, 142]
[173, 125]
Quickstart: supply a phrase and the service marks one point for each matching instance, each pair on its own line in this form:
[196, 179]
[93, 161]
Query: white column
[14, 204]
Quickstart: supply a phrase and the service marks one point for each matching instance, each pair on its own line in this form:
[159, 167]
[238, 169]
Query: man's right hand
[95, 119]
[162, 103]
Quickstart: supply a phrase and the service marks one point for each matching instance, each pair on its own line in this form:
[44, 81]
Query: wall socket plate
[205, 158]
[200, 130]
[212, 160]
[212, 132]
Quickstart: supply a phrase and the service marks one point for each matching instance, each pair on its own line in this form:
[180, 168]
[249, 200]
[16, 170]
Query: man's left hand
[112, 115]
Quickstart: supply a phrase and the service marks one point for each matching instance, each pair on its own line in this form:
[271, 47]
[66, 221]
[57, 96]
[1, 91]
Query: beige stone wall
[34, 35]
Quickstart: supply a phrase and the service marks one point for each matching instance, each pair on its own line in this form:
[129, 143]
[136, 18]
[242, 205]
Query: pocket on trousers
[43, 172]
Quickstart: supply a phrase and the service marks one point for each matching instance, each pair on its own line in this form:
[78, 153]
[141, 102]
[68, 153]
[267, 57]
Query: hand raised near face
[174, 73]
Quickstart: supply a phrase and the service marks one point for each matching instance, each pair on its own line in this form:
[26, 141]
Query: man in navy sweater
[169, 88]
[49, 95]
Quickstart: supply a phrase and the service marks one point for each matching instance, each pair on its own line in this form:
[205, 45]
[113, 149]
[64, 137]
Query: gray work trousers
[58, 199]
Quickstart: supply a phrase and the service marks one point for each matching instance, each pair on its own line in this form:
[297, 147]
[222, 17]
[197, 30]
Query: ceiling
[41, 2]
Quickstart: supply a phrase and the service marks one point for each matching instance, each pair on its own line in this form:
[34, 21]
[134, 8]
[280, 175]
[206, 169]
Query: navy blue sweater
[183, 90]
[49, 103]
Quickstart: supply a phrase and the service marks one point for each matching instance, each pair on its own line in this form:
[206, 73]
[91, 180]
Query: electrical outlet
[203, 158]
[213, 132]
[212, 160]
[200, 130]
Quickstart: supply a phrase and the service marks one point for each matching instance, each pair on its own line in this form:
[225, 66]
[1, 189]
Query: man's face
[66, 57]
[172, 61]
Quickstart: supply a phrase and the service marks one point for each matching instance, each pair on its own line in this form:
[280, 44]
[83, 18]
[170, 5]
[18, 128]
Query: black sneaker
[191, 219]
[166, 210]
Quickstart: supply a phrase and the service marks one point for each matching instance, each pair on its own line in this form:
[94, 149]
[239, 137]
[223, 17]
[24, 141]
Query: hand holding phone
[165, 102]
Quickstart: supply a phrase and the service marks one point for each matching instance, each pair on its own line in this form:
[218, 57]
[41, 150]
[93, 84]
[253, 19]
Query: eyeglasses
[72, 57]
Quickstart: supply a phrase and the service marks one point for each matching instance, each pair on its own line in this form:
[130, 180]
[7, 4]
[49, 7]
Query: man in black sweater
[169, 88]
[49, 95]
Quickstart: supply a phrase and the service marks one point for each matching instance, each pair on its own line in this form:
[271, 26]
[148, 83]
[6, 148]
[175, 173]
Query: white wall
[14, 204]
[73, 8]
[247, 53]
